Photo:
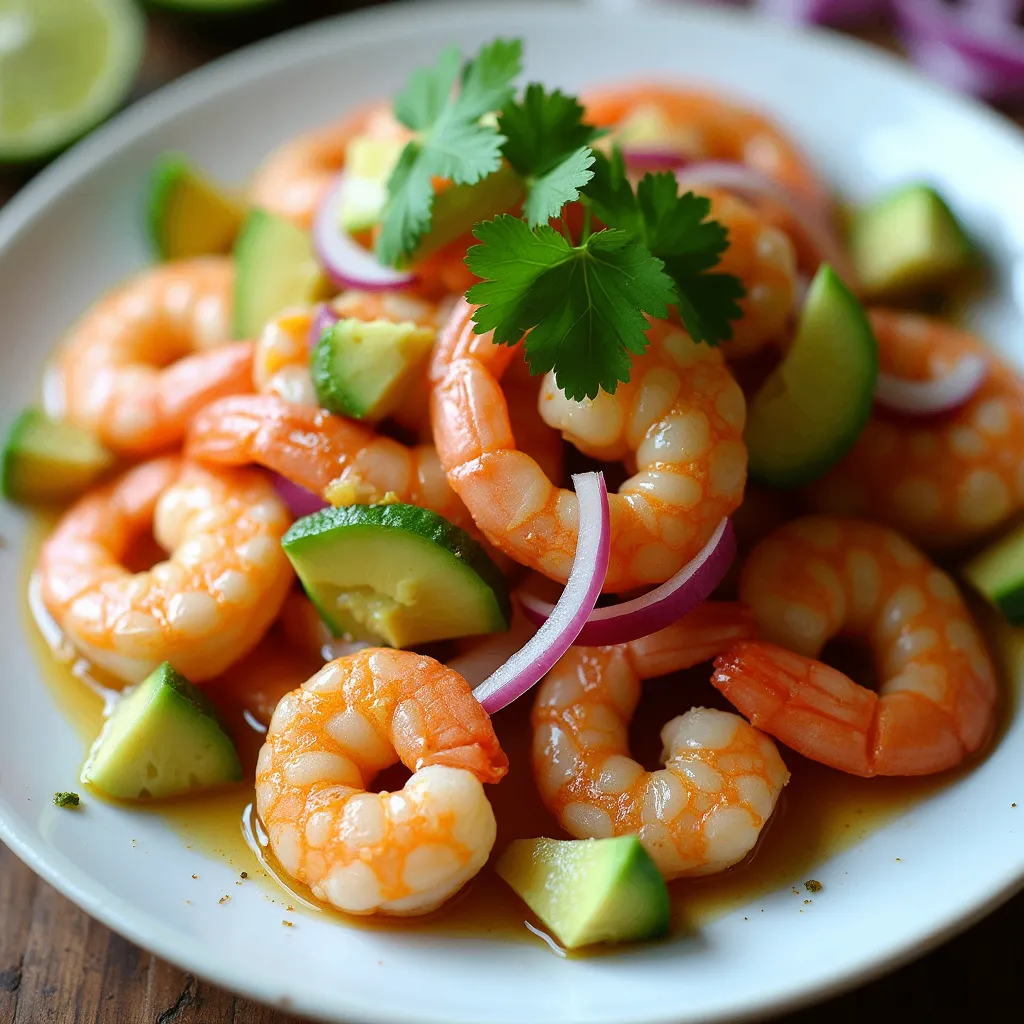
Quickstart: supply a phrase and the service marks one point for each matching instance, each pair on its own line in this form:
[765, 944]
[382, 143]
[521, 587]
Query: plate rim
[231, 72]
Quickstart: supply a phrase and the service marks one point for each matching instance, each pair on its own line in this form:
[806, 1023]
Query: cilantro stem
[586, 224]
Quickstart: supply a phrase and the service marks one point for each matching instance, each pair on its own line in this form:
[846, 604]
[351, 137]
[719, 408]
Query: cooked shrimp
[681, 419]
[203, 608]
[293, 181]
[341, 460]
[380, 853]
[704, 810]
[943, 481]
[703, 126]
[147, 357]
[820, 577]
[281, 360]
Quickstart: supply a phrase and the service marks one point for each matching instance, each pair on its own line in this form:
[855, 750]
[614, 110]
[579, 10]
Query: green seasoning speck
[812, 885]
[66, 799]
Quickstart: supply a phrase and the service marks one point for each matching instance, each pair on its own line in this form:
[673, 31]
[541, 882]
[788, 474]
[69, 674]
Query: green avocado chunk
[162, 740]
[275, 268]
[49, 461]
[368, 165]
[810, 411]
[907, 244]
[364, 370]
[397, 574]
[997, 573]
[590, 890]
[189, 215]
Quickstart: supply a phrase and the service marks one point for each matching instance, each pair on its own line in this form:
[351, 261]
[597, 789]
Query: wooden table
[58, 966]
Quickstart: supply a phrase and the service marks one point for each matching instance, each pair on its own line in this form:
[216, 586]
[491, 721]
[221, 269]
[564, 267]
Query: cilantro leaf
[547, 144]
[547, 194]
[677, 230]
[451, 141]
[583, 306]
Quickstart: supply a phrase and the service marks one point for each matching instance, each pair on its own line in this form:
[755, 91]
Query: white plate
[75, 231]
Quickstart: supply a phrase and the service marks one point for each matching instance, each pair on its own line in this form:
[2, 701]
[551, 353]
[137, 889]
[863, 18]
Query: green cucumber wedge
[48, 461]
[590, 890]
[162, 740]
[997, 573]
[397, 574]
[812, 408]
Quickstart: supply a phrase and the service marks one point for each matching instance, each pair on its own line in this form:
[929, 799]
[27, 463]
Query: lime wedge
[64, 66]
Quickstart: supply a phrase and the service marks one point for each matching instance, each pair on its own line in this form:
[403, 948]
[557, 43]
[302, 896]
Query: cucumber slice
[187, 214]
[275, 269]
[397, 573]
[44, 460]
[907, 244]
[998, 575]
[590, 890]
[162, 740]
[812, 408]
[365, 370]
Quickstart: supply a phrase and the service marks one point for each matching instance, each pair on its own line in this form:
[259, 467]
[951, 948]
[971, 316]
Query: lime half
[64, 66]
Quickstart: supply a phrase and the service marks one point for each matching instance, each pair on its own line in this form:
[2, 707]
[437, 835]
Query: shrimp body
[204, 607]
[703, 811]
[943, 481]
[820, 577]
[147, 357]
[341, 460]
[681, 418]
[398, 853]
[702, 126]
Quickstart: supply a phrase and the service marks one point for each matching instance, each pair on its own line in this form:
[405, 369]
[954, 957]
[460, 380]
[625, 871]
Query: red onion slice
[823, 12]
[929, 397]
[652, 158]
[691, 586]
[751, 184]
[325, 317]
[300, 501]
[486, 656]
[349, 264]
[538, 655]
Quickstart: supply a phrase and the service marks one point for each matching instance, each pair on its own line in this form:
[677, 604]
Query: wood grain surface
[58, 966]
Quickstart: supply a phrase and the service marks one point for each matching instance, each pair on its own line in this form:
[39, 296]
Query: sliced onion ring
[691, 586]
[751, 184]
[347, 263]
[929, 397]
[325, 317]
[538, 655]
[652, 158]
[299, 501]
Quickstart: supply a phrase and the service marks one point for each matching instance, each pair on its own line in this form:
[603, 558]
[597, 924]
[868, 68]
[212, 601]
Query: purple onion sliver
[325, 317]
[589, 568]
[661, 607]
[299, 501]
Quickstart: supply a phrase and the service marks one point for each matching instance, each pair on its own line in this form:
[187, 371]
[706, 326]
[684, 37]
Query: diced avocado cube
[811, 409]
[275, 267]
[46, 460]
[189, 215]
[368, 165]
[397, 574]
[998, 575]
[907, 244]
[590, 890]
[162, 740]
[364, 370]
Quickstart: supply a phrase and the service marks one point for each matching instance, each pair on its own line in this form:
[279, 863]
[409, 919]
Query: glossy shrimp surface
[147, 357]
[943, 481]
[704, 810]
[204, 607]
[399, 853]
[344, 462]
[820, 577]
[681, 420]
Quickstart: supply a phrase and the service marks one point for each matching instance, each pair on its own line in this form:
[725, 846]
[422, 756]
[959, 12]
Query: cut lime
[64, 66]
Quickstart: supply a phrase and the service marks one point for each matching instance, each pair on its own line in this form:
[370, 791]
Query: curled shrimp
[944, 481]
[147, 357]
[704, 810]
[204, 607]
[341, 460]
[681, 420]
[398, 853]
[820, 577]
